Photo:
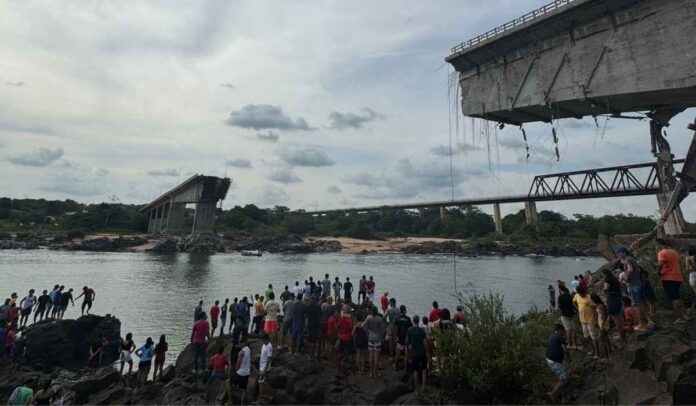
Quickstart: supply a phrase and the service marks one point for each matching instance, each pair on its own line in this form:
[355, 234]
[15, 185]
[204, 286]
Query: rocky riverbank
[57, 351]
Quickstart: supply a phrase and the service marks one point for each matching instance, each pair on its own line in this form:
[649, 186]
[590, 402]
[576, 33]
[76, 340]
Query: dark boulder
[65, 343]
[91, 384]
[166, 245]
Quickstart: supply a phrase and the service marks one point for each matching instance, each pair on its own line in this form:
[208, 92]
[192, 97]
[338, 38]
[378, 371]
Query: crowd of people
[320, 320]
[15, 313]
[627, 304]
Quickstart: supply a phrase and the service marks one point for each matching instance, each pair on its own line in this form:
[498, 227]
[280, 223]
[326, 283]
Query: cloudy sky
[304, 104]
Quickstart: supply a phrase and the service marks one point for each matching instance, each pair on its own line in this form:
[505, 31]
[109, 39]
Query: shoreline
[239, 242]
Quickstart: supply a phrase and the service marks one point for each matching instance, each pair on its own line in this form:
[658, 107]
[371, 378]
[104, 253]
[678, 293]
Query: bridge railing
[617, 179]
[511, 24]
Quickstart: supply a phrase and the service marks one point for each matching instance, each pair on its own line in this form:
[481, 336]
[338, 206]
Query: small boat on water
[251, 253]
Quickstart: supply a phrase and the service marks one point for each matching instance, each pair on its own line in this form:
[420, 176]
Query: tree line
[69, 216]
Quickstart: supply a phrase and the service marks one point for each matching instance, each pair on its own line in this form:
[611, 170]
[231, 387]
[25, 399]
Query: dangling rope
[449, 122]
[526, 144]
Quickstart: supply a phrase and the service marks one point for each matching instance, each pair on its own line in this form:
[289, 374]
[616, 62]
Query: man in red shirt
[434, 313]
[384, 301]
[370, 286]
[214, 313]
[670, 274]
[200, 335]
[331, 332]
[220, 364]
[345, 334]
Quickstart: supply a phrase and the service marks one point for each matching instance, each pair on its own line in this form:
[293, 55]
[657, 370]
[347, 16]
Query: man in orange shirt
[671, 276]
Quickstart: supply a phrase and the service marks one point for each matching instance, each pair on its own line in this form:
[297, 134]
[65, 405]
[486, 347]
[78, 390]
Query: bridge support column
[175, 220]
[497, 219]
[204, 219]
[442, 212]
[530, 213]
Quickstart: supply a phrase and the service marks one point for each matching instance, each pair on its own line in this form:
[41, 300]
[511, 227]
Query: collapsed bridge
[167, 213]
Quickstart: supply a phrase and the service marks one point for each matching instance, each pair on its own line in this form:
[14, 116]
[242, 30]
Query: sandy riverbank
[357, 246]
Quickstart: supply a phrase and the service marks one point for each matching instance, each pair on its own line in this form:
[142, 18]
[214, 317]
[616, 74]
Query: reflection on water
[155, 294]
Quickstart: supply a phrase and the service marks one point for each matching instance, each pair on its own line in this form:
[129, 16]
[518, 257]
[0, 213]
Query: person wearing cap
[634, 286]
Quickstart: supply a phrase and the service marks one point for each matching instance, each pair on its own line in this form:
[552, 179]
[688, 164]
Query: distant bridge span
[615, 181]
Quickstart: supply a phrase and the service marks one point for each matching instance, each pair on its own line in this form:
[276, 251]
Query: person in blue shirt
[556, 352]
[145, 353]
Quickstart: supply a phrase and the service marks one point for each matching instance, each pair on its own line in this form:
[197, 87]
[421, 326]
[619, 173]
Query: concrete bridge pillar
[175, 220]
[497, 219]
[204, 219]
[442, 212]
[530, 213]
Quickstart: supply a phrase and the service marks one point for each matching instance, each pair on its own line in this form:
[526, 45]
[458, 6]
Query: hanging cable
[526, 144]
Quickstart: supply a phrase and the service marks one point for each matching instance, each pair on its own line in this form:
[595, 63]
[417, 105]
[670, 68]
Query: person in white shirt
[264, 366]
[297, 289]
[243, 367]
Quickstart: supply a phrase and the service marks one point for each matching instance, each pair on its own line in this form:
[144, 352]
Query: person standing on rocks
[90, 296]
[604, 345]
[219, 364]
[362, 290]
[434, 314]
[345, 335]
[42, 304]
[57, 302]
[298, 324]
[588, 318]
[145, 353]
[127, 348]
[634, 286]
[313, 326]
[270, 327]
[198, 311]
[259, 311]
[267, 292]
[612, 289]
[691, 269]
[288, 311]
[51, 303]
[361, 343]
[370, 287]
[297, 289]
[93, 359]
[243, 316]
[5, 313]
[337, 287]
[160, 355]
[390, 317]
[403, 323]
[65, 299]
[285, 295]
[27, 304]
[565, 305]
[416, 341]
[326, 287]
[200, 335]
[223, 316]
[243, 369]
[214, 315]
[556, 353]
[552, 299]
[264, 367]
[384, 302]
[348, 291]
[374, 325]
[670, 274]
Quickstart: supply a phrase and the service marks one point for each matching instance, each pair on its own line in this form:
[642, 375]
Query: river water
[155, 294]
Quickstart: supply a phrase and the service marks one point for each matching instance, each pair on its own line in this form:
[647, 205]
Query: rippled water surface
[155, 294]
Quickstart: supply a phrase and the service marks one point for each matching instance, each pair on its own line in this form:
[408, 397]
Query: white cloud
[266, 117]
[283, 176]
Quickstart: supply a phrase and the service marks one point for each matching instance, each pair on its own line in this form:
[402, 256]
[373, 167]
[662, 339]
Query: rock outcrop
[65, 343]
